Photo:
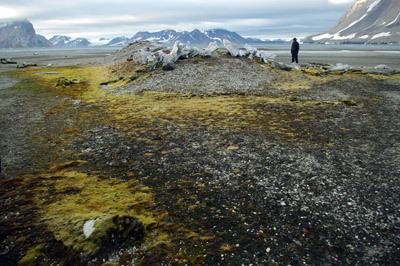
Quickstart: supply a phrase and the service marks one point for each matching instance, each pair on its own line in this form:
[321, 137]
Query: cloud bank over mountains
[101, 18]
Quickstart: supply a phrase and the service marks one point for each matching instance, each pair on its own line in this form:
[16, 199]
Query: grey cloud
[283, 16]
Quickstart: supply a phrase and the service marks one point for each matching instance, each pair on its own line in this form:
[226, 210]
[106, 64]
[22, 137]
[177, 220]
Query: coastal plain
[221, 161]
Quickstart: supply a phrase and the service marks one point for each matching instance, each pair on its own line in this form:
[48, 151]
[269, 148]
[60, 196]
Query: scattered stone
[47, 73]
[7, 61]
[26, 64]
[233, 148]
[103, 87]
[236, 171]
[66, 82]
[282, 66]
[348, 102]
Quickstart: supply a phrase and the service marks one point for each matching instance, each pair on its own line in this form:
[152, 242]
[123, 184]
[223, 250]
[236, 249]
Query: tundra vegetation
[179, 168]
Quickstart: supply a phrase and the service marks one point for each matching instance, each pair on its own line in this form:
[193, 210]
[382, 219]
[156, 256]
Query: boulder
[382, 67]
[232, 48]
[142, 57]
[340, 67]
[26, 64]
[66, 82]
[7, 61]
[263, 55]
[211, 48]
[102, 234]
[282, 66]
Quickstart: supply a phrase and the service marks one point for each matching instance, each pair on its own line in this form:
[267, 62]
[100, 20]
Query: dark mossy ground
[305, 173]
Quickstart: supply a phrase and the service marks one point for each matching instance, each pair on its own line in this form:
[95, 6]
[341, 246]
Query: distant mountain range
[21, 34]
[61, 41]
[368, 21]
[195, 37]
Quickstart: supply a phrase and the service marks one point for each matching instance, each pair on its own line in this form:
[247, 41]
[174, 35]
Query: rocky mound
[211, 71]
[220, 75]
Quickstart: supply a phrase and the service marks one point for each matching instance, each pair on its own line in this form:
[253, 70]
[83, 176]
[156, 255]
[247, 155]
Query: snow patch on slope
[374, 4]
[383, 34]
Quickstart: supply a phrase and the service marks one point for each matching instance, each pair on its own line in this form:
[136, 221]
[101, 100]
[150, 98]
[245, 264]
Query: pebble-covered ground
[224, 161]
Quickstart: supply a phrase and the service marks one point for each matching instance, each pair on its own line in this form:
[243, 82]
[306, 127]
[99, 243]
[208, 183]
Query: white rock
[212, 46]
[232, 48]
[250, 49]
[381, 67]
[296, 66]
[265, 56]
[340, 67]
[173, 56]
[143, 57]
[88, 227]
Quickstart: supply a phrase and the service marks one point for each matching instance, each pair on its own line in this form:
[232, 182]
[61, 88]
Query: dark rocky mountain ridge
[368, 21]
[21, 34]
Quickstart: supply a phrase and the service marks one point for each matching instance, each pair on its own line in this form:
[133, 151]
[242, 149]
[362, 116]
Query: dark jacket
[295, 47]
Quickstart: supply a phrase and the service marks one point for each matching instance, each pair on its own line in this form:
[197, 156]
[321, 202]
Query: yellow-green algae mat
[66, 197]
[75, 198]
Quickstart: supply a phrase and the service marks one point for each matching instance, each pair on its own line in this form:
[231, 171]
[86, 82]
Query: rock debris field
[218, 160]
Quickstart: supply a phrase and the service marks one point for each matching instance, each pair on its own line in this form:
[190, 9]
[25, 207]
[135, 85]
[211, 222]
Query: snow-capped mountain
[195, 37]
[21, 34]
[368, 21]
[119, 41]
[61, 41]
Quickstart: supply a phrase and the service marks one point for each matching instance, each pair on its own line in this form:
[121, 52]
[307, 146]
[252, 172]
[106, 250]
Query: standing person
[295, 51]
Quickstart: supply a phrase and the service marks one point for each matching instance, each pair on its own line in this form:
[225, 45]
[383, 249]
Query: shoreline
[353, 55]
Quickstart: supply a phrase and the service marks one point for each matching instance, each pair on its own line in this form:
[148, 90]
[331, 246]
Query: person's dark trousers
[295, 57]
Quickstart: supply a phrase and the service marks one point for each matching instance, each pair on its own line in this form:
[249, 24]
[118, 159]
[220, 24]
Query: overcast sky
[111, 18]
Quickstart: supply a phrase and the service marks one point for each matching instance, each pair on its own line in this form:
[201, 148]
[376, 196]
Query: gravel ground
[308, 177]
